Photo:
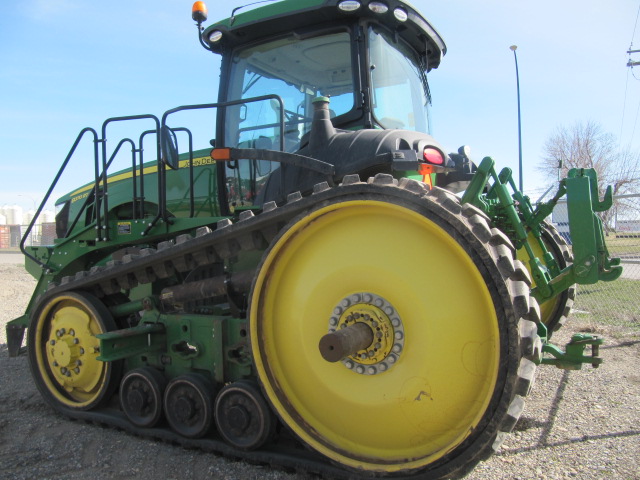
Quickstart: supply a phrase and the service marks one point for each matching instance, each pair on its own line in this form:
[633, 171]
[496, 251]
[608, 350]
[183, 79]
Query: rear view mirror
[169, 147]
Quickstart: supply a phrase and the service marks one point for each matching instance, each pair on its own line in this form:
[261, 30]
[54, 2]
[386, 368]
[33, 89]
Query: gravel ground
[579, 425]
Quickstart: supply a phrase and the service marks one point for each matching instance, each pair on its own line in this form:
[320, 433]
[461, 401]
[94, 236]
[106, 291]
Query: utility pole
[631, 63]
[513, 48]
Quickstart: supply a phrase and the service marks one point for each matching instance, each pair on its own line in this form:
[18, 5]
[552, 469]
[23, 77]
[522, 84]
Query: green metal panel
[179, 343]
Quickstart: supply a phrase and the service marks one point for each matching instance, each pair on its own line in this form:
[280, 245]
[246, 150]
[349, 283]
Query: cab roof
[286, 16]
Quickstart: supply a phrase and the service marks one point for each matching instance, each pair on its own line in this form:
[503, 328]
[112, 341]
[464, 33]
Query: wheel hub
[137, 400]
[384, 321]
[239, 418]
[72, 350]
[184, 409]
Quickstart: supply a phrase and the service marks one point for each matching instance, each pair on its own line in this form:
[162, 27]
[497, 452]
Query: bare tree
[586, 145]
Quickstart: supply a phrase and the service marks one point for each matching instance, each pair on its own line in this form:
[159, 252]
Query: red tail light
[433, 156]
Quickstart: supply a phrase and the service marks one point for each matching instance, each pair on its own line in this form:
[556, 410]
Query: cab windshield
[298, 70]
[399, 83]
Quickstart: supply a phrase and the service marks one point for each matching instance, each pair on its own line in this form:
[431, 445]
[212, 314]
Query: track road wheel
[63, 351]
[554, 312]
[188, 405]
[436, 389]
[243, 417]
[141, 393]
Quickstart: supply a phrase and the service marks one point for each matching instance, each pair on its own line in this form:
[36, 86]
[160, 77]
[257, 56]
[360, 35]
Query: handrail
[232, 103]
[102, 164]
[103, 176]
[191, 193]
[53, 184]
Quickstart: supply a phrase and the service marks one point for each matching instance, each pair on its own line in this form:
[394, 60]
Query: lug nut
[76, 341]
[77, 370]
[52, 342]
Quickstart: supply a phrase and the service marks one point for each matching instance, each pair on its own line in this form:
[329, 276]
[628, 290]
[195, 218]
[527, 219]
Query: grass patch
[623, 246]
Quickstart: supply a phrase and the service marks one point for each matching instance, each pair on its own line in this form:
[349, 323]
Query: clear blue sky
[67, 64]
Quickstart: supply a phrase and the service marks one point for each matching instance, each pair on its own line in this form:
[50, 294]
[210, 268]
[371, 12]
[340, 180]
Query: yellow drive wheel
[553, 312]
[63, 351]
[430, 388]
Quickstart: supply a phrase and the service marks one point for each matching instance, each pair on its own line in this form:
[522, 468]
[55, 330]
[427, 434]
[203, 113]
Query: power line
[635, 123]
[634, 27]
[624, 108]
[630, 64]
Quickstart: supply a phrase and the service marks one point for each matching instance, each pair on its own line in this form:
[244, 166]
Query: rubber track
[256, 232]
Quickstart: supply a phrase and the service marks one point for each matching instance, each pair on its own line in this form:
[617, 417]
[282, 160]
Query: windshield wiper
[422, 72]
[252, 82]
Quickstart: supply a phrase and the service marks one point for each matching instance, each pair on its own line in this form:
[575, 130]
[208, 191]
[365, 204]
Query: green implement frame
[511, 211]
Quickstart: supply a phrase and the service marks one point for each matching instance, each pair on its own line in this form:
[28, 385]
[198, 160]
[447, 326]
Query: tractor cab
[368, 59]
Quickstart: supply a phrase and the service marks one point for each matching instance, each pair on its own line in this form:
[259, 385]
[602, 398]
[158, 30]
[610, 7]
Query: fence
[41, 234]
[613, 303]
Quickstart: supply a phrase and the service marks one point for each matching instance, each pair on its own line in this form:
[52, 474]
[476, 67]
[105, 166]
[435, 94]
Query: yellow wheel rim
[441, 386]
[66, 351]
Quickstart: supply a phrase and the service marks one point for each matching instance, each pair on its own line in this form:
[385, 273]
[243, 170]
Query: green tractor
[315, 292]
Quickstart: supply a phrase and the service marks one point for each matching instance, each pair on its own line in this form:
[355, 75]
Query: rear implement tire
[63, 351]
[553, 312]
[441, 292]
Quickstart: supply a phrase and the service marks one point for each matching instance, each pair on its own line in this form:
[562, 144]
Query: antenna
[233, 12]
[513, 49]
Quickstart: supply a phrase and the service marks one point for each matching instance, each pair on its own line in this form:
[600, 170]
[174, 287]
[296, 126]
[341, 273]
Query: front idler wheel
[141, 392]
[63, 351]
[243, 417]
[188, 405]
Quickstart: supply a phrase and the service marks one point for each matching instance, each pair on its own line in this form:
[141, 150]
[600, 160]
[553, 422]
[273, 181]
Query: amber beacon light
[199, 12]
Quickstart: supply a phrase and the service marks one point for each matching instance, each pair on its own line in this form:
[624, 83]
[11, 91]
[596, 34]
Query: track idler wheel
[385, 330]
[243, 417]
[63, 351]
[188, 405]
[141, 392]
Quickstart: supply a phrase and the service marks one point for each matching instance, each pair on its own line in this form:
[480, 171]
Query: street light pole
[513, 49]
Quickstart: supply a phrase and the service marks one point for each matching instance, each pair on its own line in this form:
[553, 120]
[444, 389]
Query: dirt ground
[579, 424]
